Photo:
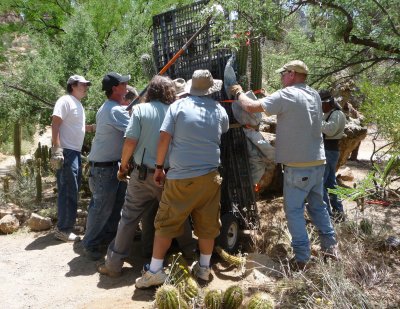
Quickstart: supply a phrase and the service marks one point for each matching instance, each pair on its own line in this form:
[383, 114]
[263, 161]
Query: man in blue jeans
[68, 132]
[299, 147]
[108, 193]
[333, 124]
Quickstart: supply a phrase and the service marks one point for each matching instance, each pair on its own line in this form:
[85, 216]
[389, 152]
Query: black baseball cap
[114, 79]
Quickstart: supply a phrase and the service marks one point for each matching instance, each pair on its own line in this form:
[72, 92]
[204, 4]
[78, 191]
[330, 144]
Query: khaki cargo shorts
[199, 197]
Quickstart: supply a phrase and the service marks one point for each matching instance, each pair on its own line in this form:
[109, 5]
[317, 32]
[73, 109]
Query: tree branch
[30, 94]
[347, 36]
[388, 16]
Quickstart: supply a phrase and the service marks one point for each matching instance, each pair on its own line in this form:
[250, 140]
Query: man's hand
[159, 177]
[57, 158]
[122, 174]
[235, 90]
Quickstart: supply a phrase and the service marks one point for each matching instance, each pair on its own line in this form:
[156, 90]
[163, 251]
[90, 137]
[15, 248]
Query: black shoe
[93, 255]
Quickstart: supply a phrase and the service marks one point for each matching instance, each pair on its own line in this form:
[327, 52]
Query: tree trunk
[17, 145]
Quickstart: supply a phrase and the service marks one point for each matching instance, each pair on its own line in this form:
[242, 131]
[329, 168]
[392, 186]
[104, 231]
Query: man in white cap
[108, 193]
[299, 120]
[191, 131]
[68, 132]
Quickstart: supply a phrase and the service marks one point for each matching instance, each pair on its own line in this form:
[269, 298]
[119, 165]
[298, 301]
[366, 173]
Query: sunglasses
[284, 72]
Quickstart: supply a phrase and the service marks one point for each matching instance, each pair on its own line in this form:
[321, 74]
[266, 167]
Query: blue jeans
[300, 184]
[108, 195]
[68, 184]
[331, 200]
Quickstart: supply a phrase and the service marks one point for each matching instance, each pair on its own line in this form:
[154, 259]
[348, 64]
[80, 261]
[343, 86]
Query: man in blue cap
[108, 193]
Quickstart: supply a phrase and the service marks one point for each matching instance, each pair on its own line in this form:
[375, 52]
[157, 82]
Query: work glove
[235, 91]
[122, 174]
[57, 158]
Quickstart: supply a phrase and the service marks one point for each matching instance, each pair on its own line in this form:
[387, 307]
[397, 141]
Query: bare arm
[250, 105]
[55, 131]
[162, 149]
[127, 151]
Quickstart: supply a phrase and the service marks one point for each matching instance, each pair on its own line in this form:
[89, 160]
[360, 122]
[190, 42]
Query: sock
[205, 260]
[155, 265]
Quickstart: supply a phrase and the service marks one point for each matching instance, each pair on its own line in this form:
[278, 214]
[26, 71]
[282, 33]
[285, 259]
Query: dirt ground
[37, 271]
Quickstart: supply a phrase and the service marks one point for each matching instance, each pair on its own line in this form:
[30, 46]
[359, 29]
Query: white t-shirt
[72, 129]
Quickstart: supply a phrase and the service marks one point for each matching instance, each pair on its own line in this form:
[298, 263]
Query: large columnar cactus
[148, 66]
[256, 65]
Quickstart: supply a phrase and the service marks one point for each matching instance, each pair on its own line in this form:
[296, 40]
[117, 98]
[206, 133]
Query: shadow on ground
[43, 241]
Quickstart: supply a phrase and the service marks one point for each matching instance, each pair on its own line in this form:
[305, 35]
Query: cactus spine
[233, 297]
[256, 65]
[213, 299]
[181, 277]
[148, 67]
[260, 300]
[238, 261]
[167, 297]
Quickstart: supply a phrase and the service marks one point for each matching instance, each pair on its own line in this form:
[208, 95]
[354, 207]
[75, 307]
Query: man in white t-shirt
[68, 132]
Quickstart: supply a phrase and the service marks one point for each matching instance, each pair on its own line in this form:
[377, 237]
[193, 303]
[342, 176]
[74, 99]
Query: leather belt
[104, 164]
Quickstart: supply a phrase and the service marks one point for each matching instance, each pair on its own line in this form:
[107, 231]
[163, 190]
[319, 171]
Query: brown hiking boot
[331, 253]
[102, 269]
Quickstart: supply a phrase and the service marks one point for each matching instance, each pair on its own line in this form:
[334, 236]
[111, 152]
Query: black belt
[104, 164]
[149, 170]
[331, 144]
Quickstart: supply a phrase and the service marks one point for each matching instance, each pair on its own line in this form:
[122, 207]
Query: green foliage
[382, 107]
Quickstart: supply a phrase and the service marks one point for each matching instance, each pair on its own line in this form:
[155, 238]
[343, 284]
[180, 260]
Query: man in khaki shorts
[191, 131]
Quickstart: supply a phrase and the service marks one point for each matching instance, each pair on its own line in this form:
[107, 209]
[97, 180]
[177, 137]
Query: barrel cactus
[167, 297]
[260, 300]
[213, 299]
[233, 297]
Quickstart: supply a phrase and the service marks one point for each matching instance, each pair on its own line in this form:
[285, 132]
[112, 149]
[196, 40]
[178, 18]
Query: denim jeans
[108, 195]
[68, 184]
[140, 197]
[331, 200]
[300, 184]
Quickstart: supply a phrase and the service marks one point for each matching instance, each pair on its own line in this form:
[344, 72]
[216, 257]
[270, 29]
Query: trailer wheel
[228, 237]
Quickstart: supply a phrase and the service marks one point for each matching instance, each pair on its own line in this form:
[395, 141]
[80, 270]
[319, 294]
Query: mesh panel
[171, 31]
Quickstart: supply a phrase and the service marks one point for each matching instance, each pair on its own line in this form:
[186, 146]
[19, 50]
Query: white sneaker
[149, 279]
[201, 272]
[65, 236]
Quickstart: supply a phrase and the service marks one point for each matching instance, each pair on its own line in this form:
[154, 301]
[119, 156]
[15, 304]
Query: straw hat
[202, 83]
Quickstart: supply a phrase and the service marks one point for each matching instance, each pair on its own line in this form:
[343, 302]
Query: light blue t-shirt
[144, 127]
[299, 120]
[196, 125]
[111, 122]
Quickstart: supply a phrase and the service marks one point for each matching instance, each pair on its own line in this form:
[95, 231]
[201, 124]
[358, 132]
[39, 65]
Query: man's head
[161, 89]
[180, 85]
[202, 83]
[77, 86]
[293, 72]
[328, 101]
[131, 94]
[114, 84]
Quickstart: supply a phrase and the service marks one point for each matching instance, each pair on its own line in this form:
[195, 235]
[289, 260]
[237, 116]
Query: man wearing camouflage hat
[299, 147]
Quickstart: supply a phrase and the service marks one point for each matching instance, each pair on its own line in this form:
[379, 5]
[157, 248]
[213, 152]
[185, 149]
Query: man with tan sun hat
[192, 132]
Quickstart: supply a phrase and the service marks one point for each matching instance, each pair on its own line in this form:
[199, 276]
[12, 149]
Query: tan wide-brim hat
[295, 65]
[180, 85]
[202, 83]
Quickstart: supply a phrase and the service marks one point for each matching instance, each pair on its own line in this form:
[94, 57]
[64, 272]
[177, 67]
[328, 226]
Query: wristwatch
[159, 167]
[238, 94]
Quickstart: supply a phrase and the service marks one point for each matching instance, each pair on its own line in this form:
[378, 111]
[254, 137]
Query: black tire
[228, 238]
